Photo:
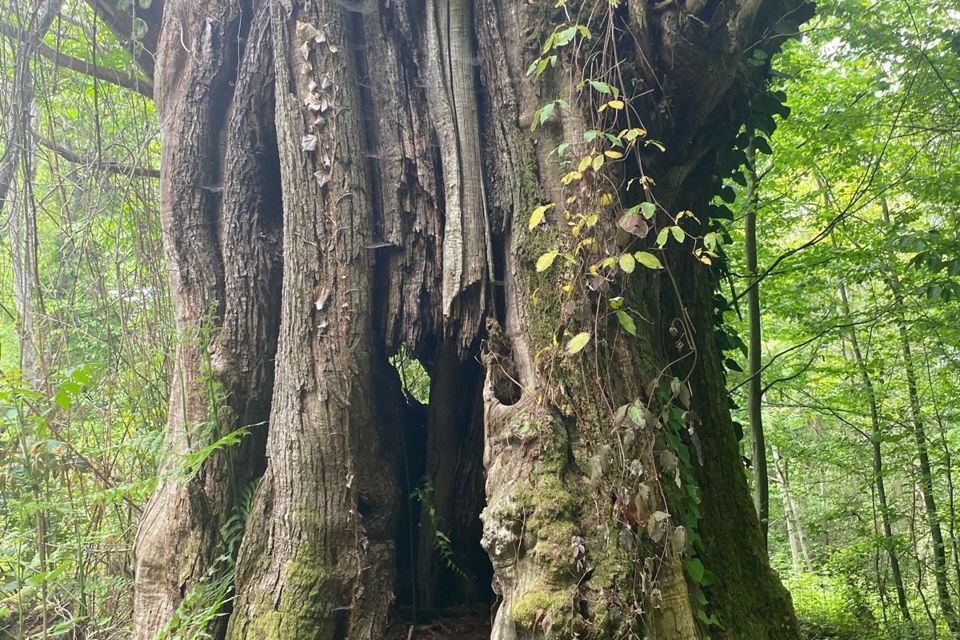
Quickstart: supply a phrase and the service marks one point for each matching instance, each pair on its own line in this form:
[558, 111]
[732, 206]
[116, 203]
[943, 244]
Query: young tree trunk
[876, 440]
[16, 190]
[926, 474]
[615, 499]
[799, 550]
[944, 597]
[761, 480]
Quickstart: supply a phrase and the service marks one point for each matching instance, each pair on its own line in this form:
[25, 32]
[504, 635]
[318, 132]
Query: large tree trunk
[221, 217]
[406, 171]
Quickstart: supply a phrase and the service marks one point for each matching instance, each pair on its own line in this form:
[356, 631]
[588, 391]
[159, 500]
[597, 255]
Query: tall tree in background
[16, 189]
[342, 179]
[761, 489]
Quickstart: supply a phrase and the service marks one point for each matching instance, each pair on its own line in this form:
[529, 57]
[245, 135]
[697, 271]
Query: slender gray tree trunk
[761, 478]
[876, 440]
[925, 479]
[16, 189]
[799, 549]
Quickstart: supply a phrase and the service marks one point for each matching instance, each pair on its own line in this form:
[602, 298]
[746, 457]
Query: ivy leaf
[648, 209]
[648, 260]
[678, 234]
[578, 342]
[545, 261]
[564, 37]
[627, 263]
[626, 321]
[695, 569]
[601, 87]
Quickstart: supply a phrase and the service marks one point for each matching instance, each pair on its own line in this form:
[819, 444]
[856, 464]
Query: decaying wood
[379, 153]
[220, 210]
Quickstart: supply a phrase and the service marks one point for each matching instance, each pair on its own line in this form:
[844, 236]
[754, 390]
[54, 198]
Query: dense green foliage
[79, 429]
[860, 194]
[858, 209]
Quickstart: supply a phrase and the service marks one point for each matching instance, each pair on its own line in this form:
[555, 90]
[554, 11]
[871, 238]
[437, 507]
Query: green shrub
[829, 609]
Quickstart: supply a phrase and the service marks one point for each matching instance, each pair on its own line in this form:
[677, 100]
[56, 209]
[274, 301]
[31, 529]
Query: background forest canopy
[835, 241]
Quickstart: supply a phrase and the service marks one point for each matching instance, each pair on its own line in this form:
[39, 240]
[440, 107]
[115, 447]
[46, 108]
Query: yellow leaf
[537, 216]
[545, 261]
[571, 177]
[627, 263]
[616, 155]
[584, 163]
[578, 342]
[616, 104]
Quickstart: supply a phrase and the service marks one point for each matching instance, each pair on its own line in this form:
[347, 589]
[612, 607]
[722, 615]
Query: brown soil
[460, 623]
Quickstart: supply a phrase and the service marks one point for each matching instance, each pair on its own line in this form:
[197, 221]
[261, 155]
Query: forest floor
[460, 623]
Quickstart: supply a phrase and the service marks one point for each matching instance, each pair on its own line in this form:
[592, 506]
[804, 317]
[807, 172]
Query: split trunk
[343, 180]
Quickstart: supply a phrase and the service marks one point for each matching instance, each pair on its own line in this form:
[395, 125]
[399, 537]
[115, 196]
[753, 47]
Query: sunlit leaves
[626, 321]
[577, 343]
[536, 217]
[648, 260]
[546, 260]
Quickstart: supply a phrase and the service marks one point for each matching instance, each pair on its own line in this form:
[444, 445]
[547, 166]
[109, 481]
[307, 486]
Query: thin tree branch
[865, 183]
[123, 17]
[106, 74]
[110, 167]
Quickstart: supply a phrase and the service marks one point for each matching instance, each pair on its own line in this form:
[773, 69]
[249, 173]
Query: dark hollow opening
[443, 572]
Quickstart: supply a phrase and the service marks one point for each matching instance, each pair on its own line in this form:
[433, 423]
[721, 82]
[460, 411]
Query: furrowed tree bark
[221, 218]
[318, 557]
[406, 171]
